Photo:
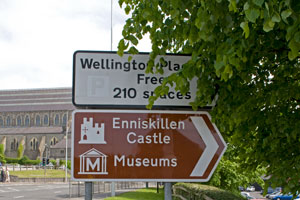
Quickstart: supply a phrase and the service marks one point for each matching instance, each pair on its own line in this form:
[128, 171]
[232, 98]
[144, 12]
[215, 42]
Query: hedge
[197, 191]
[22, 161]
[12, 160]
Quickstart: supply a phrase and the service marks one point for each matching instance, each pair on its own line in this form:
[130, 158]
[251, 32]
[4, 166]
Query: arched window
[37, 120]
[14, 144]
[56, 119]
[53, 141]
[46, 120]
[1, 121]
[27, 121]
[8, 121]
[34, 144]
[19, 121]
[64, 121]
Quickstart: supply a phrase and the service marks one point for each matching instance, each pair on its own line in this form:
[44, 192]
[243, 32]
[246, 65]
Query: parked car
[241, 188]
[274, 194]
[247, 196]
[250, 189]
[284, 197]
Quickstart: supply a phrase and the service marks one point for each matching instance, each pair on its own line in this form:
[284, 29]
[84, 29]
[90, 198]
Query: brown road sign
[122, 145]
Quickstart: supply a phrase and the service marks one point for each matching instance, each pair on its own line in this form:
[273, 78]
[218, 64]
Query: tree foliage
[1, 149]
[245, 52]
[230, 174]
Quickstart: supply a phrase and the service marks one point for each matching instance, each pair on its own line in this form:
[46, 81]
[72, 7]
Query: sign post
[138, 145]
[123, 145]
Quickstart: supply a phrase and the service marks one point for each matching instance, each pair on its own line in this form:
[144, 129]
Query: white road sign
[104, 79]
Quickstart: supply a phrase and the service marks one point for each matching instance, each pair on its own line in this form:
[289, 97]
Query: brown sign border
[207, 118]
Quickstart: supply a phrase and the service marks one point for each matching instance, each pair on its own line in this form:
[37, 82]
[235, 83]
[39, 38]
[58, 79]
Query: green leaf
[121, 47]
[297, 37]
[121, 3]
[258, 2]
[276, 17]
[219, 64]
[252, 14]
[268, 25]
[133, 50]
[132, 39]
[245, 27]
[232, 6]
[295, 47]
[246, 6]
[146, 14]
[127, 9]
[285, 14]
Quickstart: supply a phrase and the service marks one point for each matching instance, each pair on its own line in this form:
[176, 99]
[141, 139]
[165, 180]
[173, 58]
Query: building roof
[62, 144]
[30, 130]
[36, 99]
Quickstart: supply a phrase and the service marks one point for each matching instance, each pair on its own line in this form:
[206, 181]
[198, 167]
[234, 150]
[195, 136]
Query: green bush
[12, 160]
[198, 192]
[53, 162]
[23, 160]
[63, 162]
[32, 162]
[26, 161]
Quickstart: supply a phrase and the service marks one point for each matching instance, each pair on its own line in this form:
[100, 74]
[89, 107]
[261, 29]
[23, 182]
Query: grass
[50, 173]
[145, 194]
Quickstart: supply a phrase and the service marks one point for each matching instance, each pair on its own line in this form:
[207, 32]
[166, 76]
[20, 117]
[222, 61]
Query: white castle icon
[91, 134]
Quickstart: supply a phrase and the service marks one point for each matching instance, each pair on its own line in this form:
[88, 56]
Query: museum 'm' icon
[93, 162]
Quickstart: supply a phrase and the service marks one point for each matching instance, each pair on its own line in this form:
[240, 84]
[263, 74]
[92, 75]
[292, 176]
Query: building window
[56, 120]
[37, 120]
[46, 120]
[19, 121]
[1, 121]
[14, 144]
[34, 144]
[53, 141]
[8, 121]
[62, 151]
[27, 121]
[64, 122]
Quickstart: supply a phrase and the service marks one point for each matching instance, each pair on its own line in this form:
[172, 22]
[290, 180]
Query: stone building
[34, 121]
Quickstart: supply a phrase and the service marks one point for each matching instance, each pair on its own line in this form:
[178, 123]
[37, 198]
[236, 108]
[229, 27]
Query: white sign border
[124, 106]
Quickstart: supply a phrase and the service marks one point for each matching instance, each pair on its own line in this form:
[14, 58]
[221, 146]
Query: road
[47, 191]
[28, 191]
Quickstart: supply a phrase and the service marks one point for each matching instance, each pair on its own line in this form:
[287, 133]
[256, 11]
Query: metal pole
[168, 191]
[88, 190]
[113, 192]
[45, 160]
[67, 130]
[111, 26]
[70, 189]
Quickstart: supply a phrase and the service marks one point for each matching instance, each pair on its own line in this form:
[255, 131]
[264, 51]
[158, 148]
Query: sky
[38, 38]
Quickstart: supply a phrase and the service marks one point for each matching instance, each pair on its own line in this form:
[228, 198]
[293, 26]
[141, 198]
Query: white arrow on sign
[211, 146]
